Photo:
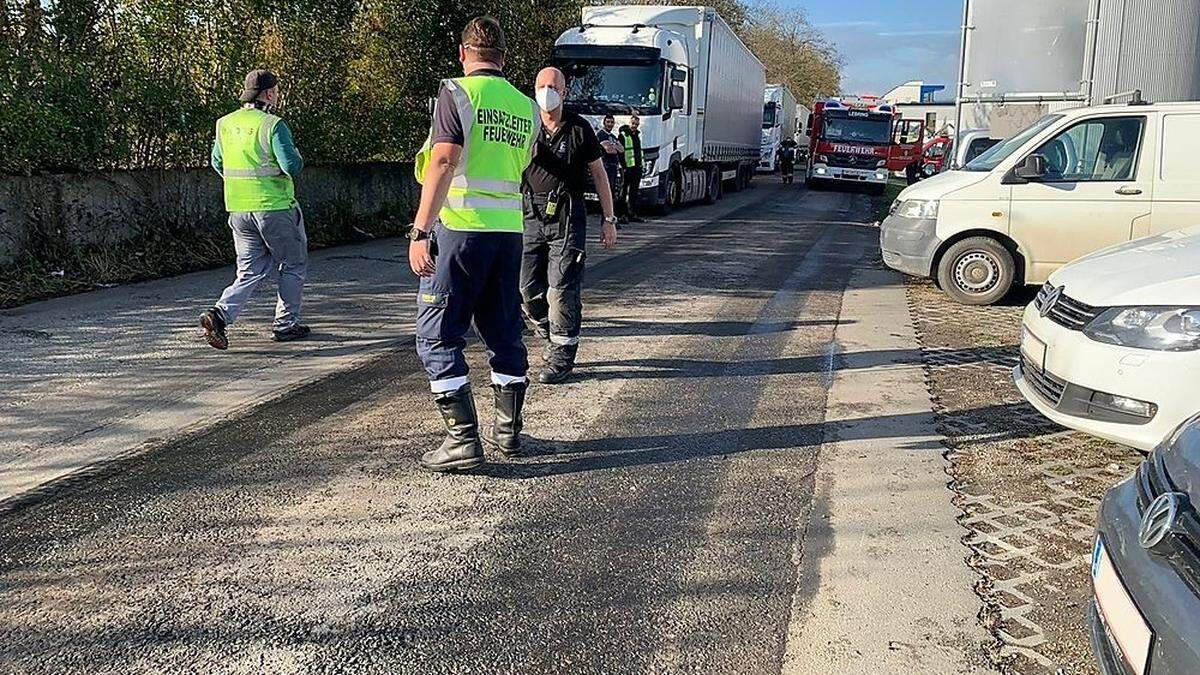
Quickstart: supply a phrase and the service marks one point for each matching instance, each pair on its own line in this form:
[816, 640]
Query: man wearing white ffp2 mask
[548, 99]
[565, 155]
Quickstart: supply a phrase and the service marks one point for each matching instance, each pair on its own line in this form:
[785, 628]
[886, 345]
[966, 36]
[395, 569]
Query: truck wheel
[667, 193]
[713, 193]
[976, 271]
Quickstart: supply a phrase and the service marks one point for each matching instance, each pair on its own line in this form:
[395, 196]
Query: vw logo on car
[1050, 300]
[1159, 520]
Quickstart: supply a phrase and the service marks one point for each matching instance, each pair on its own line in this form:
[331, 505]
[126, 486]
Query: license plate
[591, 196]
[1033, 349]
[1124, 624]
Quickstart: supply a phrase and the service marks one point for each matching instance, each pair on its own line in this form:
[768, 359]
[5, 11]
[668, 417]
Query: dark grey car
[1149, 535]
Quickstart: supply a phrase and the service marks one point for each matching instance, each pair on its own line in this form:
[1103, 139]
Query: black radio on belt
[552, 201]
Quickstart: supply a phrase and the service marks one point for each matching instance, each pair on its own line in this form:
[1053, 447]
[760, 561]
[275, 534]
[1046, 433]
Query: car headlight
[917, 208]
[880, 164]
[1166, 329]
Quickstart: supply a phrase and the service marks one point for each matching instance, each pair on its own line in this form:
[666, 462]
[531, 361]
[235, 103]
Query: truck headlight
[648, 166]
[1164, 329]
[917, 208]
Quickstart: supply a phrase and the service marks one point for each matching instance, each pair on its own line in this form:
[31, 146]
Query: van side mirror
[1034, 168]
[676, 97]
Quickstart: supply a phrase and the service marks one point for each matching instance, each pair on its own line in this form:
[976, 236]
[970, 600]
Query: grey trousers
[267, 241]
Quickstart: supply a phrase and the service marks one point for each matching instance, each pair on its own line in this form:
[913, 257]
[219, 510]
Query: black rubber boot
[505, 434]
[559, 365]
[461, 449]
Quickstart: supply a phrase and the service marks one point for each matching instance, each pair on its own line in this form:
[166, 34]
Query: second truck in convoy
[779, 124]
[695, 86]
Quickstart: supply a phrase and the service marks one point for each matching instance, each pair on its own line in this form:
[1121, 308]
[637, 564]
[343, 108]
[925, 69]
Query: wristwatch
[611, 220]
[417, 234]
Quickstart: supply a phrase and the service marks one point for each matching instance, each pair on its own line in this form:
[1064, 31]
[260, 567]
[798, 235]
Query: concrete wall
[66, 214]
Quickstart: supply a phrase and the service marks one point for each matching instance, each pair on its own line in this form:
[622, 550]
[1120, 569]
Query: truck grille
[849, 161]
[1046, 385]
[1184, 556]
[1066, 311]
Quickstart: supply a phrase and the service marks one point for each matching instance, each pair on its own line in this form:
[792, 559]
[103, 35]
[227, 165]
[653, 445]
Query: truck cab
[778, 125]
[860, 140]
[674, 67]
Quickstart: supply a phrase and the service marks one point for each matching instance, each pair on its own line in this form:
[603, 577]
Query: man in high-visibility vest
[466, 246]
[254, 153]
[631, 139]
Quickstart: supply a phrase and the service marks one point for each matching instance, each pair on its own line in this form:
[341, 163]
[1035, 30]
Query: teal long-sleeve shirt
[281, 144]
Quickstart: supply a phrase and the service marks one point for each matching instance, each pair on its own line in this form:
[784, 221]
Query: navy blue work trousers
[476, 283]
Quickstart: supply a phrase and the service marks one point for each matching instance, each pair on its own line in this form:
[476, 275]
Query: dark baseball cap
[257, 81]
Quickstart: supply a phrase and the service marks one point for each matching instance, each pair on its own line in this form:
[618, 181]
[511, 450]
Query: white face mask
[548, 99]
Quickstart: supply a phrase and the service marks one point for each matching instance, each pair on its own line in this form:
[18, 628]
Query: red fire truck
[860, 139]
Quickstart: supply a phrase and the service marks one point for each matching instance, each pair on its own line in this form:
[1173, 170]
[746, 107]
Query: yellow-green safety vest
[629, 154]
[254, 180]
[500, 126]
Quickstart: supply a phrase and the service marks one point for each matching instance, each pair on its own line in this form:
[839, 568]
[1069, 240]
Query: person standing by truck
[566, 152]
[787, 160]
[258, 162]
[466, 245]
[613, 156]
[631, 141]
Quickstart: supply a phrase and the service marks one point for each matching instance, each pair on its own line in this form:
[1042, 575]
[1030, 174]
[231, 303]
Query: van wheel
[976, 271]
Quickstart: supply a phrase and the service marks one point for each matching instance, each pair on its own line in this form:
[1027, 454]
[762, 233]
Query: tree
[793, 51]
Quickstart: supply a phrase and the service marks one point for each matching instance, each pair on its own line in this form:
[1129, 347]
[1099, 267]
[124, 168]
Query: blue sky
[887, 42]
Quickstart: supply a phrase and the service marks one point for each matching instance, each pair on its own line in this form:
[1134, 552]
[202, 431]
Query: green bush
[104, 84]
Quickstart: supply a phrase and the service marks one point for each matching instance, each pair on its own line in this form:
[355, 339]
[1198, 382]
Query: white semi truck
[778, 124]
[696, 88]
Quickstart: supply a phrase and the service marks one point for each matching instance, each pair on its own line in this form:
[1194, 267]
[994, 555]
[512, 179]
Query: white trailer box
[695, 87]
[778, 124]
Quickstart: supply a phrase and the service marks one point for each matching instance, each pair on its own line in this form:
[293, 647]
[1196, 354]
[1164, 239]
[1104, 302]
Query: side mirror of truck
[676, 97]
[1034, 168]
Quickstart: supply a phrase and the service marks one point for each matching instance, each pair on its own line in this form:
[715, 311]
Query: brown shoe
[214, 329]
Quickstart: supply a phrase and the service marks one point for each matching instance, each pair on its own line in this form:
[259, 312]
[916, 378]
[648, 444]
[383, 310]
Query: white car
[1111, 345]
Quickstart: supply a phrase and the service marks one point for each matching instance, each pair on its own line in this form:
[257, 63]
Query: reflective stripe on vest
[253, 179]
[500, 125]
[628, 150]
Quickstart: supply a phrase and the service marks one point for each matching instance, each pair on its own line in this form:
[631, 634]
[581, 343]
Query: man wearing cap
[254, 153]
[466, 246]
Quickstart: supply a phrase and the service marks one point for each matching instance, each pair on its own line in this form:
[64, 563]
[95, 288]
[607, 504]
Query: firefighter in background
[466, 246]
[787, 160]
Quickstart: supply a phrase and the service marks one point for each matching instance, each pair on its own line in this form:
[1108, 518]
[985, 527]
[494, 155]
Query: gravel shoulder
[1028, 490]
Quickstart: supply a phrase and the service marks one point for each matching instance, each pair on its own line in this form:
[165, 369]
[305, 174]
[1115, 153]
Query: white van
[1074, 182]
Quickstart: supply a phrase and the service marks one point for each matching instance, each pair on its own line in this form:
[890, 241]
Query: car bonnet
[1162, 269]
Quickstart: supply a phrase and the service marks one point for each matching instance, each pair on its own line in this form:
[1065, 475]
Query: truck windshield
[999, 152]
[875, 131]
[615, 88]
[769, 111]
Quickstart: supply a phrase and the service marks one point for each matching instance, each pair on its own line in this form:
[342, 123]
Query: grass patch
[884, 201]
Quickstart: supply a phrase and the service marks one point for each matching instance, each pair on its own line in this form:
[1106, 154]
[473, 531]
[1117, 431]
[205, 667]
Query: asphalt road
[653, 527]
